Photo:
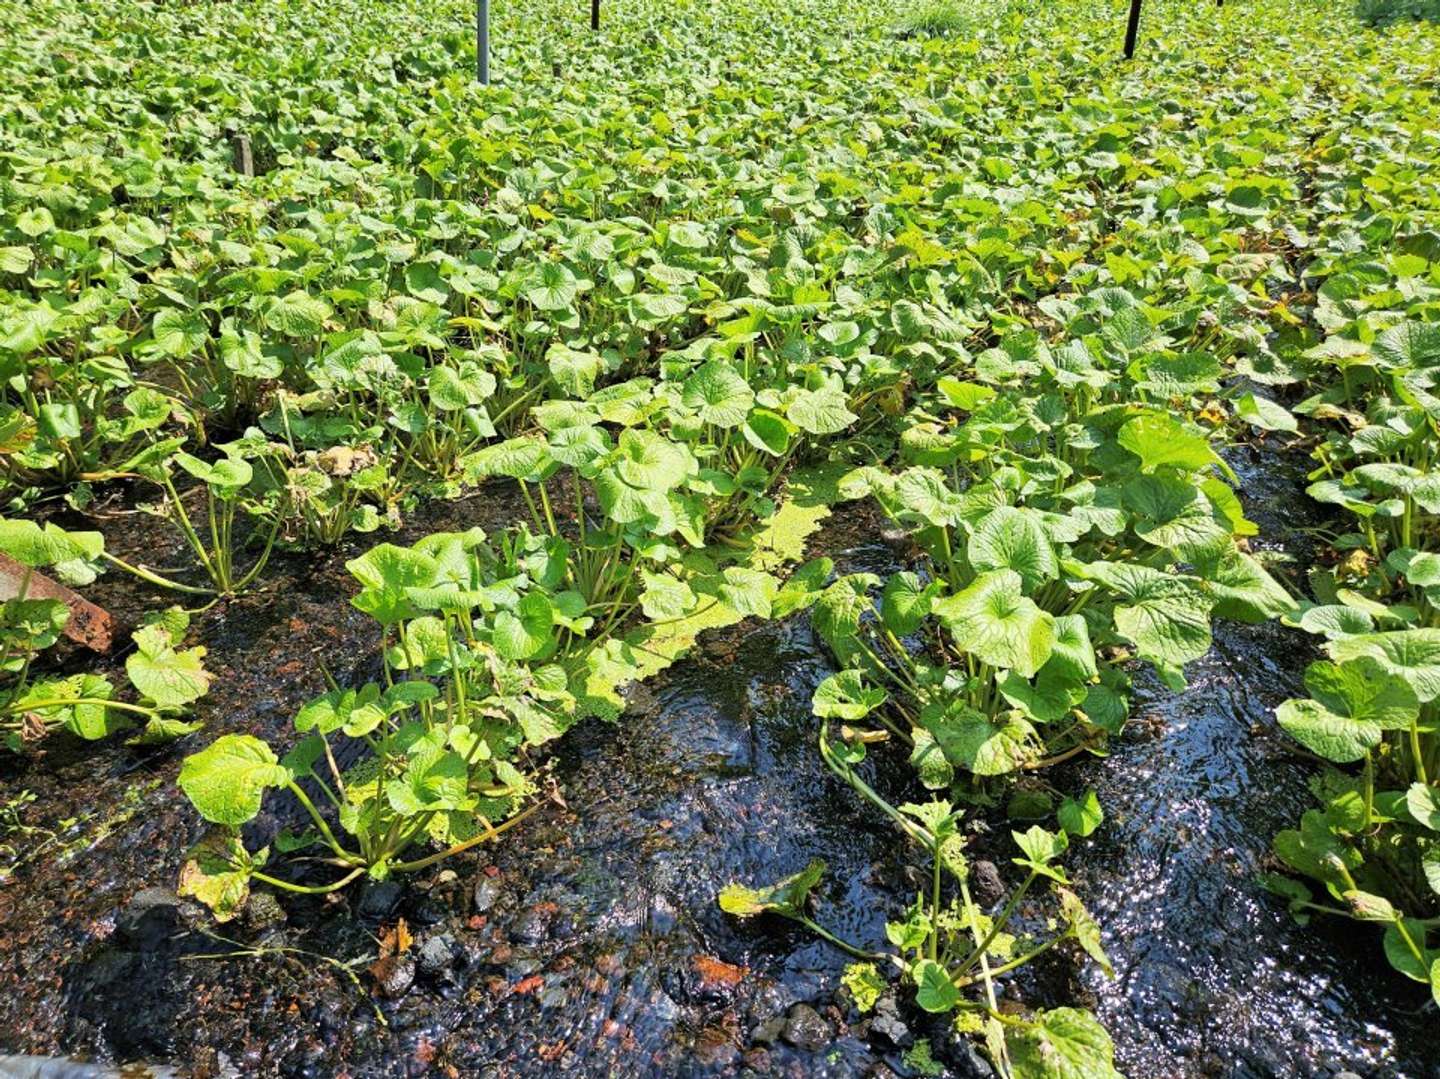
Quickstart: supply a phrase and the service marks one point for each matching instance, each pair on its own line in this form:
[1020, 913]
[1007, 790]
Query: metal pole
[594, 14]
[482, 41]
[1132, 28]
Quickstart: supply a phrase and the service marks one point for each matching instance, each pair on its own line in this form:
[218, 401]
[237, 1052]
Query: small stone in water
[768, 1032]
[486, 892]
[150, 917]
[985, 879]
[804, 1028]
[396, 976]
[887, 1021]
[378, 899]
[263, 912]
[437, 954]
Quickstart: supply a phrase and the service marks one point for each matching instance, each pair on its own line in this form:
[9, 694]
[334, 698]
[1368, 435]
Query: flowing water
[1214, 976]
[588, 942]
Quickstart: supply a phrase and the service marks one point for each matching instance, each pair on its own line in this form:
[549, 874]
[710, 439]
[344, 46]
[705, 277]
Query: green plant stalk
[825, 934]
[846, 773]
[334, 844]
[491, 832]
[182, 520]
[549, 513]
[935, 903]
[259, 565]
[998, 923]
[307, 889]
[530, 503]
[1369, 791]
[154, 578]
[971, 918]
[1013, 964]
[66, 702]
[1416, 753]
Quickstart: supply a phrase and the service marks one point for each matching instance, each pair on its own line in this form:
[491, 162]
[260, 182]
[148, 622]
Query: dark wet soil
[588, 942]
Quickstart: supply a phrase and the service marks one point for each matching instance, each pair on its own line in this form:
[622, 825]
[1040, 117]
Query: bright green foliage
[167, 678]
[865, 984]
[1064, 1043]
[787, 897]
[1030, 323]
[480, 651]
[946, 943]
[226, 781]
[1363, 358]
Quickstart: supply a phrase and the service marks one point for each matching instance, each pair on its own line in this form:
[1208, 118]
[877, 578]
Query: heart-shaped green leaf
[994, 621]
[227, 780]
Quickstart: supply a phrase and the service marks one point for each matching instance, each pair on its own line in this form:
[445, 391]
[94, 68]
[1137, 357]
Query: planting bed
[773, 539]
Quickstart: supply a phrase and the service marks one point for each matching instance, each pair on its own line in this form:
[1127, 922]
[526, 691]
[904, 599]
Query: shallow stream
[589, 943]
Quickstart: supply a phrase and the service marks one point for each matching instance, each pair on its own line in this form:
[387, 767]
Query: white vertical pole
[482, 41]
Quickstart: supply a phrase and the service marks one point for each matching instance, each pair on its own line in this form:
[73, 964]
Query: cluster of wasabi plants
[165, 679]
[1372, 845]
[1031, 326]
[478, 648]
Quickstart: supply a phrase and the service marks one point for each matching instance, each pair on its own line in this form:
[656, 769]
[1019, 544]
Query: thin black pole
[1132, 28]
[482, 41]
[594, 14]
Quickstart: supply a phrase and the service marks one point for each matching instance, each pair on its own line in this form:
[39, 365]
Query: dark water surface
[589, 942]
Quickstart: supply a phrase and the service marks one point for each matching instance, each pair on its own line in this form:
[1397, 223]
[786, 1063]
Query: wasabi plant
[478, 655]
[166, 678]
[213, 538]
[947, 949]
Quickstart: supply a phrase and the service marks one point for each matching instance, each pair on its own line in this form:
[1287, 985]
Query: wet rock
[757, 1061]
[707, 979]
[555, 996]
[985, 883]
[210, 1063]
[330, 1020]
[263, 913]
[426, 910]
[395, 975]
[378, 899]
[714, 1049]
[436, 954]
[805, 1029]
[768, 1032]
[662, 916]
[487, 890]
[150, 918]
[305, 1062]
[887, 1022]
[966, 1061]
[770, 1000]
[662, 1007]
[534, 924]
